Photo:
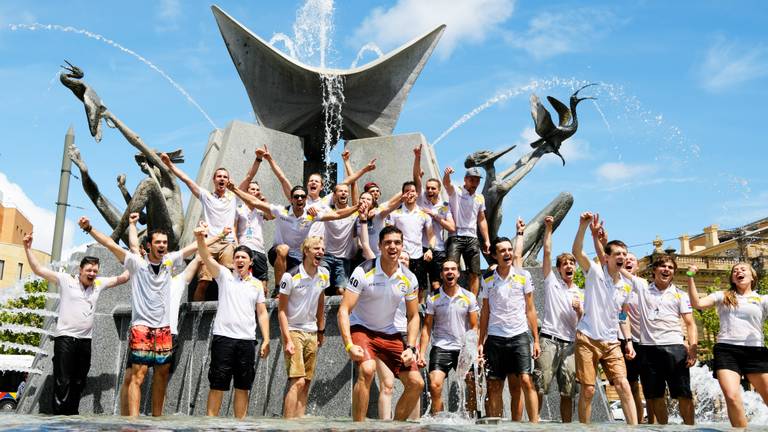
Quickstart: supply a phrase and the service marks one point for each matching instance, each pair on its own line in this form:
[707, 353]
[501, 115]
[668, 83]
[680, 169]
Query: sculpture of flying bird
[94, 109]
[552, 136]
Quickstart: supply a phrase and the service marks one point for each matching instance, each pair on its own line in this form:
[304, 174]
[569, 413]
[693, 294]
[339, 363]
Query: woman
[740, 348]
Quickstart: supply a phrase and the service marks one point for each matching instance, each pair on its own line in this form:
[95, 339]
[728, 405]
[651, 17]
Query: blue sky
[675, 149]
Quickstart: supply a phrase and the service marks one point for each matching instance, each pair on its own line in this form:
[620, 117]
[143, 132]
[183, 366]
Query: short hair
[563, 257]
[252, 182]
[310, 242]
[389, 229]
[220, 169]
[316, 174]
[432, 179]
[89, 260]
[618, 243]
[340, 184]
[406, 184]
[662, 259]
[442, 267]
[298, 187]
[151, 233]
[243, 248]
[496, 242]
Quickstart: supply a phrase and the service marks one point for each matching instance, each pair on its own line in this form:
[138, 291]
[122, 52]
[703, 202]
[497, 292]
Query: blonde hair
[729, 297]
[309, 243]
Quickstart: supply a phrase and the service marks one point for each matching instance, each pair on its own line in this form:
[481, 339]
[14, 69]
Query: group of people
[385, 259]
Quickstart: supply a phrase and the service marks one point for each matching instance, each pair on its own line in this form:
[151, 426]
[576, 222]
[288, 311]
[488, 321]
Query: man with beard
[449, 315]
[605, 293]
[414, 223]
[373, 295]
[301, 314]
[219, 210]
[74, 328]
[233, 347]
[293, 225]
[151, 343]
[507, 315]
[442, 219]
[562, 310]
[468, 209]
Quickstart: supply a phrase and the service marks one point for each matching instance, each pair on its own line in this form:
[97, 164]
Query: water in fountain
[369, 47]
[287, 43]
[22, 347]
[312, 31]
[70, 29]
[38, 312]
[709, 405]
[24, 329]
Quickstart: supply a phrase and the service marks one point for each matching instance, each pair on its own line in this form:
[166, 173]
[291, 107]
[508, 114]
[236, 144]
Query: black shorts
[739, 358]
[662, 366]
[435, 267]
[292, 260]
[419, 268]
[174, 355]
[466, 247]
[507, 356]
[259, 268]
[633, 366]
[442, 359]
[232, 358]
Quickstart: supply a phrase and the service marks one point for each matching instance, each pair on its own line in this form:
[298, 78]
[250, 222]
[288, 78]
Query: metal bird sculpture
[94, 109]
[552, 136]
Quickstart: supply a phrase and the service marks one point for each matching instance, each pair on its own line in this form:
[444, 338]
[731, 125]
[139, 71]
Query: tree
[27, 319]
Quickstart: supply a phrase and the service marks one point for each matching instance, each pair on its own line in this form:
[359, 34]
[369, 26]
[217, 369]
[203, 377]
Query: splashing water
[709, 403]
[24, 329]
[369, 47]
[70, 29]
[39, 312]
[312, 31]
[467, 361]
[287, 43]
[23, 347]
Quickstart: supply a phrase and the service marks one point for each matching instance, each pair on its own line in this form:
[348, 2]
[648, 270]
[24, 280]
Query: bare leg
[627, 403]
[414, 384]
[515, 397]
[241, 403]
[159, 384]
[301, 403]
[290, 404]
[138, 372]
[531, 398]
[760, 382]
[214, 402]
[566, 409]
[686, 410]
[471, 396]
[386, 389]
[635, 386]
[436, 379]
[494, 406]
[362, 389]
[124, 392]
[281, 262]
[730, 384]
[474, 283]
[660, 409]
[585, 402]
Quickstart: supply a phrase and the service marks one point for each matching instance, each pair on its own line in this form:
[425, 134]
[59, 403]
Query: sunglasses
[299, 197]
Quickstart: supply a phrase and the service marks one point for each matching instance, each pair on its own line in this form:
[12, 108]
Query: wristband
[88, 229]
[520, 233]
[259, 159]
[348, 347]
[364, 222]
[690, 273]
[321, 331]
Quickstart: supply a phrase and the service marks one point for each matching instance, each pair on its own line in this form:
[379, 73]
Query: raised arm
[696, 302]
[365, 244]
[102, 239]
[518, 249]
[546, 264]
[133, 234]
[254, 168]
[191, 270]
[391, 205]
[284, 183]
[337, 214]
[204, 253]
[209, 241]
[447, 181]
[578, 243]
[347, 173]
[416, 170]
[599, 237]
[37, 268]
[249, 200]
[354, 176]
[181, 175]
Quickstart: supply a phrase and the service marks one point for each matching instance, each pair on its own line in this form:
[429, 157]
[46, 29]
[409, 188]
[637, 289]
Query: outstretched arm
[205, 254]
[354, 176]
[337, 214]
[365, 245]
[209, 241]
[599, 237]
[696, 302]
[417, 168]
[249, 200]
[102, 239]
[391, 205]
[181, 175]
[133, 234]
[284, 183]
[578, 242]
[254, 168]
[520, 230]
[546, 265]
[38, 269]
[447, 181]
[347, 174]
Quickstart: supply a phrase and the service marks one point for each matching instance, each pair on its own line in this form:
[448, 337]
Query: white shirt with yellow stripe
[506, 299]
[660, 313]
[743, 324]
[236, 316]
[303, 293]
[603, 301]
[450, 317]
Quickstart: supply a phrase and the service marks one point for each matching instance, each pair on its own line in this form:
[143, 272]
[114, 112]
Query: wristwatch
[412, 348]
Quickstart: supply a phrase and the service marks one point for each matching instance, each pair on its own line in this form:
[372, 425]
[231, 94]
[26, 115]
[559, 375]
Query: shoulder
[365, 270]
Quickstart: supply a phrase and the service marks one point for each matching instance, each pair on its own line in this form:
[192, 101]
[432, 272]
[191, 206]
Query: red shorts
[151, 346]
[385, 347]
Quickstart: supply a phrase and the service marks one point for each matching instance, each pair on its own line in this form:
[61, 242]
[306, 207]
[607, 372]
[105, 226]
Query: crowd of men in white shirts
[385, 259]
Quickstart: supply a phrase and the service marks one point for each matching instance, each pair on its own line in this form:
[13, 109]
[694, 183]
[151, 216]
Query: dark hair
[389, 229]
[406, 184]
[618, 243]
[564, 258]
[432, 179]
[298, 187]
[243, 248]
[220, 169]
[496, 242]
[89, 260]
[662, 259]
[151, 234]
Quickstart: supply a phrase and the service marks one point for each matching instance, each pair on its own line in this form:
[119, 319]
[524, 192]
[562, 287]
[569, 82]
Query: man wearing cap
[468, 209]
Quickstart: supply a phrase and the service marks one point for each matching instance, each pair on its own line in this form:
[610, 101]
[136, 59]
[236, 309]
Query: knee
[436, 387]
[282, 250]
[526, 381]
[414, 383]
[732, 396]
[587, 392]
[298, 383]
[367, 371]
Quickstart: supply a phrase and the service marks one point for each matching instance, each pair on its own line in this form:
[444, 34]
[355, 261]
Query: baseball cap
[474, 172]
[370, 185]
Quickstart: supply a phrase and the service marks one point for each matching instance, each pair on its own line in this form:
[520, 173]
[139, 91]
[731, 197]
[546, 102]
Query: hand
[629, 351]
[549, 221]
[536, 350]
[595, 224]
[166, 159]
[289, 348]
[84, 223]
[356, 353]
[27, 241]
[267, 154]
[602, 235]
[407, 357]
[431, 213]
[200, 231]
[417, 150]
[362, 210]
[422, 361]
[692, 355]
[133, 218]
[693, 269]
[480, 357]
[448, 171]
[371, 165]
[345, 155]
[428, 255]
[312, 211]
[226, 232]
[487, 247]
[264, 350]
[585, 218]
[576, 304]
[320, 338]
[231, 186]
[260, 152]
[520, 225]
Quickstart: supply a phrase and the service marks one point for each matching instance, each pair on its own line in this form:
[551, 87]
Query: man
[301, 313]
[562, 310]
[666, 359]
[605, 292]
[442, 219]
[507, 315]
[633, 365]
[233, 347]
[449, 314]
[219, 210]
[375, 290]
[293, 225]
[151, 343]
[74, 328]
[468, 209]
[339, 241]
[414, 223]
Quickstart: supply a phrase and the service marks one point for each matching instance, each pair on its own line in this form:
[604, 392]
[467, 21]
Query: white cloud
[466, 20]
[167, 15]
[553, 33]
[728, 64]
[42, 219]
[619, 171]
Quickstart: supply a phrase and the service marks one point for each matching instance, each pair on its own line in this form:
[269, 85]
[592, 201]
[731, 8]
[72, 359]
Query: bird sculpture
[552, 136]
[94, 109]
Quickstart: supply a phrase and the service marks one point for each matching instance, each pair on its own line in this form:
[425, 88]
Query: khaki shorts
[590, 352]
[557, 360]
[223, 254]
[302, 362]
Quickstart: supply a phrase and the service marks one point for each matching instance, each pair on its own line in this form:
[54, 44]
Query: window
[21, 269]
[2, 268]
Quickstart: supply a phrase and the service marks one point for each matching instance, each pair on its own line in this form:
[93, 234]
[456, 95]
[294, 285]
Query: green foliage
[578, 278]
[709, 319]
[762, 288]
[27, 319]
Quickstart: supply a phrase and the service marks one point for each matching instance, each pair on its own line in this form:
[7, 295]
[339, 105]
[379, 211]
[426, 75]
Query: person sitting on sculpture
[74, 327]
[442, 219]
[301, 315]
[233, 347]
[219, 209]
[150, 334]
[468, 209]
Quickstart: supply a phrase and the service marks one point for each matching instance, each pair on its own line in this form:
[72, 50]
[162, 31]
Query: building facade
[13, 261]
